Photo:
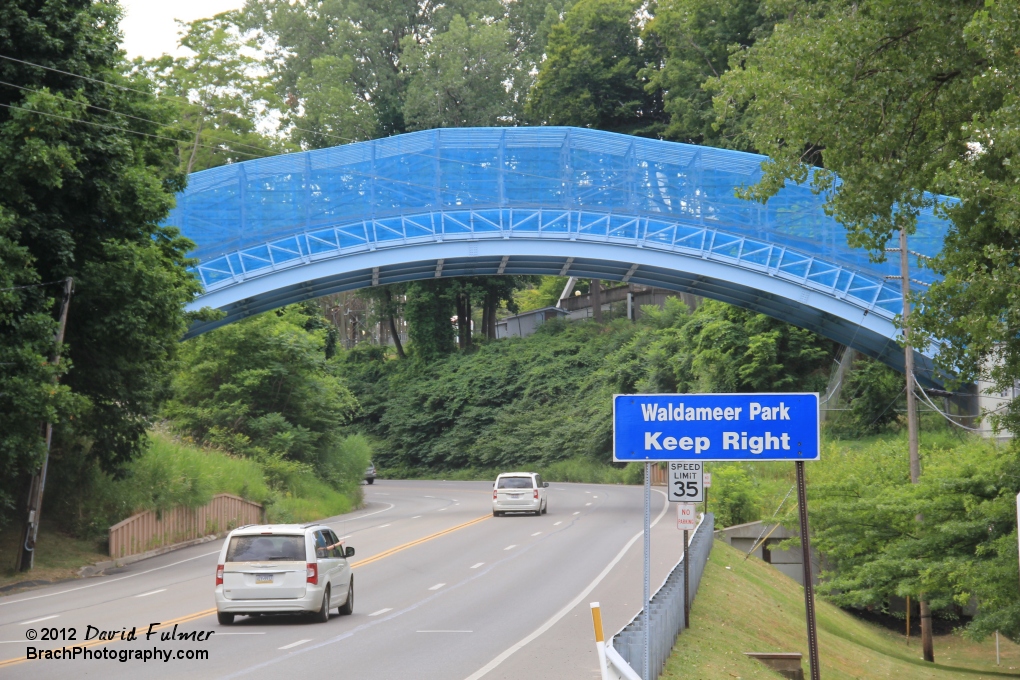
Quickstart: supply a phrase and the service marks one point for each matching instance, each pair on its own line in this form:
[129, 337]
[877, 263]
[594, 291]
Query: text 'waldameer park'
[780, 426]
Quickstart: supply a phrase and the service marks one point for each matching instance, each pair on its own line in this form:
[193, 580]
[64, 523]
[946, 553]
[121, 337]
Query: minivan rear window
[266, 548]
[514, 483]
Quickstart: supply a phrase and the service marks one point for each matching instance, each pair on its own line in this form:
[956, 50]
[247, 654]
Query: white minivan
[519, 492]
[283, 568]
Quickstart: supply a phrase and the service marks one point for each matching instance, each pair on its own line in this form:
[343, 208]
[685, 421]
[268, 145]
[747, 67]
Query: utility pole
[927, 644]
[38, 485]
[596, 299]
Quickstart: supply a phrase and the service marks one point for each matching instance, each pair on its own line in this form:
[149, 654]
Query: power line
[295, 127]
[267, 152]
[151, 94]
[31, 285]
[925, 397]
[113, 127]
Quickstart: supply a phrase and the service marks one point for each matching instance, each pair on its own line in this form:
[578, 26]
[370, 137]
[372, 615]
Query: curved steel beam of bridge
[500, 201]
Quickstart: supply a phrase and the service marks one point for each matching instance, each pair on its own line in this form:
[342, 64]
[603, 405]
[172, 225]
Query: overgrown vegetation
[170, 473]
[257, 410]
[535, 401]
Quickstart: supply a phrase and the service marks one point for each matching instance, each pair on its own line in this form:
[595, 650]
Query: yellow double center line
[411, 544]
[209, 612]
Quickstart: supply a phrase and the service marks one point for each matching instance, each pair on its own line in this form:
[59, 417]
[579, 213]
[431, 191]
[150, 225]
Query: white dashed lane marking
[381, 611]
[536, 533]
[437, 586]
[475, 566]
[152, 592]
[295, 644]
[45, 618]
[510, 547]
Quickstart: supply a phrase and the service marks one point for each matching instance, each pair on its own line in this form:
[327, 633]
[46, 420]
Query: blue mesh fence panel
[497, 182]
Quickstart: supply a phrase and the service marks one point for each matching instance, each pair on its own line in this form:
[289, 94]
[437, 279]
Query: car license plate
[263, 578]
[515, 495]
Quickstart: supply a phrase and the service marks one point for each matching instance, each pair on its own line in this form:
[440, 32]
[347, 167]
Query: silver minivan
[283, 568]
[519, 492]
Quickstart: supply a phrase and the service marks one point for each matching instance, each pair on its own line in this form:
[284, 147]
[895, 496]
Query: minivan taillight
[219, 574]
[312, 573]
[493, 494]
[536, 494]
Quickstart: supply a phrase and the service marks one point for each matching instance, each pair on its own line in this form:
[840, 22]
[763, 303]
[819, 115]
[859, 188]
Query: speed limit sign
[685, 481]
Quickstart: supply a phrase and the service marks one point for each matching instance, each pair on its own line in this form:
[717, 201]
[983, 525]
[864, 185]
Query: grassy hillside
[747, 606]
[168, 474]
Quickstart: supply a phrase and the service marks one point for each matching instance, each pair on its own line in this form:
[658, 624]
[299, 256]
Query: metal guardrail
[666, 611]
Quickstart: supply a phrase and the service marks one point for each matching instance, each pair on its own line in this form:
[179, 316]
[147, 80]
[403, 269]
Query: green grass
[747, 606]
[58, 556]
[170, 473]
[306, 499]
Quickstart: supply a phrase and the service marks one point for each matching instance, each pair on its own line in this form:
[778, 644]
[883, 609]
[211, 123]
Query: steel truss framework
[490, 201]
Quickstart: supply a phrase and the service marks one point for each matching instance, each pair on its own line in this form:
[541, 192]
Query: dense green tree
[263, 388]
[461, 77]
[429, 308]
[898, 99]
[89, 169]
[694, 41]
[590, 75]
[331, 113]
[864, 514]
[530, 23]
[879, 93]
[367, 36]
[222, 94]
[873, 395]
[975, 309]
[720, 348]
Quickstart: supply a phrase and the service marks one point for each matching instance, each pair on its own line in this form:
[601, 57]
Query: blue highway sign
[780, 426]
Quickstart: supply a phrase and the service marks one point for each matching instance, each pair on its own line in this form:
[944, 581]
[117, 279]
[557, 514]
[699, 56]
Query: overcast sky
[149, 28]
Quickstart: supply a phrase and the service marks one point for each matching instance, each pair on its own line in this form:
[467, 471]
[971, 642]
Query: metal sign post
[687, 582]
[648, 568]
[707, 483]
[809, 588]
[687, 430]
[687, 521]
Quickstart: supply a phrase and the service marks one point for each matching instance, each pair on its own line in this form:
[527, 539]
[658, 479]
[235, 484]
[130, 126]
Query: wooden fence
[146, 531]
[660, 476]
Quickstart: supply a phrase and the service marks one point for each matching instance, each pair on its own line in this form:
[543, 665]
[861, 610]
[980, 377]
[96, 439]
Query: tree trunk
[194, 148]
[461, 342]
[393, 325]
[490, 330]
[485, 315]
[396, 338]
[596, 299]
[467, 320]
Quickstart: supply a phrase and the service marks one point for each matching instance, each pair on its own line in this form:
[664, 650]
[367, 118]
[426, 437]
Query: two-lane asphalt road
[444, 591]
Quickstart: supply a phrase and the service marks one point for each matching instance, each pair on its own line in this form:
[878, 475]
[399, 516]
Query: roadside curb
[99, 567]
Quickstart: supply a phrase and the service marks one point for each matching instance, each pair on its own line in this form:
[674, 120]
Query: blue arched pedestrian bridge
[562, 201]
